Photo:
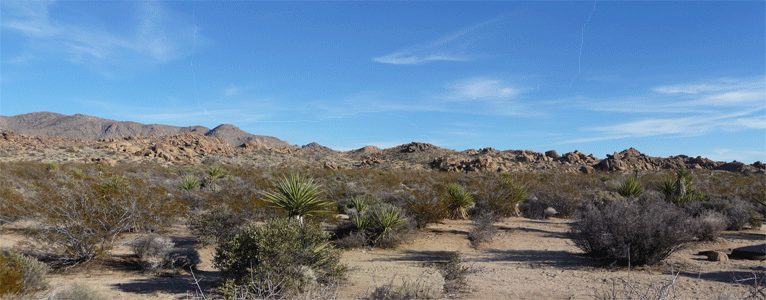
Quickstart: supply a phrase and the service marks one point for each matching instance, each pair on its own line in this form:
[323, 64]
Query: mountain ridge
[88, 127]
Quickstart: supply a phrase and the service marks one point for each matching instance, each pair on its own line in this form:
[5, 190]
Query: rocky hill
[92, 128]
[60, 138]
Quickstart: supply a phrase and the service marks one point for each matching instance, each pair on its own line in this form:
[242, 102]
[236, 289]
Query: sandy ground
[528, 259]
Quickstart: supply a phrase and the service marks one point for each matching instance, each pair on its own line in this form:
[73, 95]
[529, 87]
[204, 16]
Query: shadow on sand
[179, 284]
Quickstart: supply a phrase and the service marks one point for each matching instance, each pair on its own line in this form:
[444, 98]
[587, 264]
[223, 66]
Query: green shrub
[457, 201]
[279, 256]
[299, 197]
[642, 232]
[79, 291]
[21, 274]
[217, 224]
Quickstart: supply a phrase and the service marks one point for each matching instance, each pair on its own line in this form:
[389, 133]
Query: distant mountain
[93, 128]
[315, 146]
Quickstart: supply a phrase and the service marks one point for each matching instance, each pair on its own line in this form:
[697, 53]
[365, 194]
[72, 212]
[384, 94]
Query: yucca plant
[359, 203]
[217, 172]
[299, 196]
[189, 182]
[457, 201]
[631, 187]
[386, 219]
[680, 189]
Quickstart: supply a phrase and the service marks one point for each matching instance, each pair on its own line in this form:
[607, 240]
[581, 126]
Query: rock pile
[185, 148]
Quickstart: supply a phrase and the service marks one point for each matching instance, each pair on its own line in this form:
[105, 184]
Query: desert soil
[528, 259]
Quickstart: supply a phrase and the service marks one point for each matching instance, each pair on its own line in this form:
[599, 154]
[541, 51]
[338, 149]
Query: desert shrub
[709, 225]
[631, 187]
[279, 256]
[181, 259]
[565, 192]
[499, 196]
[483, 231]
[408, 290]
[152, 245]
[217, 224]
[352, 240]
[457, 201]
[79, 291]
[737, 213]
[152, 250]
[639, 232]
[454, 273]
[21, 274]
[80, 219]
[533, 208]
[299, 197]
[425, 207]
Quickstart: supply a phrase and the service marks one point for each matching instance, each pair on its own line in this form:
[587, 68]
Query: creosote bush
[21, 274]
[641, 232]
[79, 220]
[276, 258]
[217, 224]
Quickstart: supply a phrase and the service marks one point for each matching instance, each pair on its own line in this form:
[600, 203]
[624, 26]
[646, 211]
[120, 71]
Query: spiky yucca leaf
[631, 187]
[457, 201]
[386, 219]
[298, 196]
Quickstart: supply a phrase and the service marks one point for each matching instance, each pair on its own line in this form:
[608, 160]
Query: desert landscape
[100, 209]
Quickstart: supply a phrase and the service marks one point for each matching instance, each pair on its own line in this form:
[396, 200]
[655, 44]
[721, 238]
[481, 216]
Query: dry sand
[528, 259]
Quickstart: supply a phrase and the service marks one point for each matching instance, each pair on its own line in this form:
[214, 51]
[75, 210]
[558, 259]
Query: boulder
[552, 154]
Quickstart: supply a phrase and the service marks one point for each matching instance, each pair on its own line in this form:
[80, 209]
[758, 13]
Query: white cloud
[232, 91]
[738, 155]
[448, 48]
[688, 126]
[159, 36]
[480, 88]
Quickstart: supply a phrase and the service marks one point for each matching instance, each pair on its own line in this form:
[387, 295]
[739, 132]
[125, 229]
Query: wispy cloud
[688, 126]
[451, 47]
[159, 36]
[232, 90]
[479, 89]
[738, 155]
[714, 96]
[683, 110]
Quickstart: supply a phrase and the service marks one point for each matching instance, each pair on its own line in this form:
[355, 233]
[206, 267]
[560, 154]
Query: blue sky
[667, 78]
